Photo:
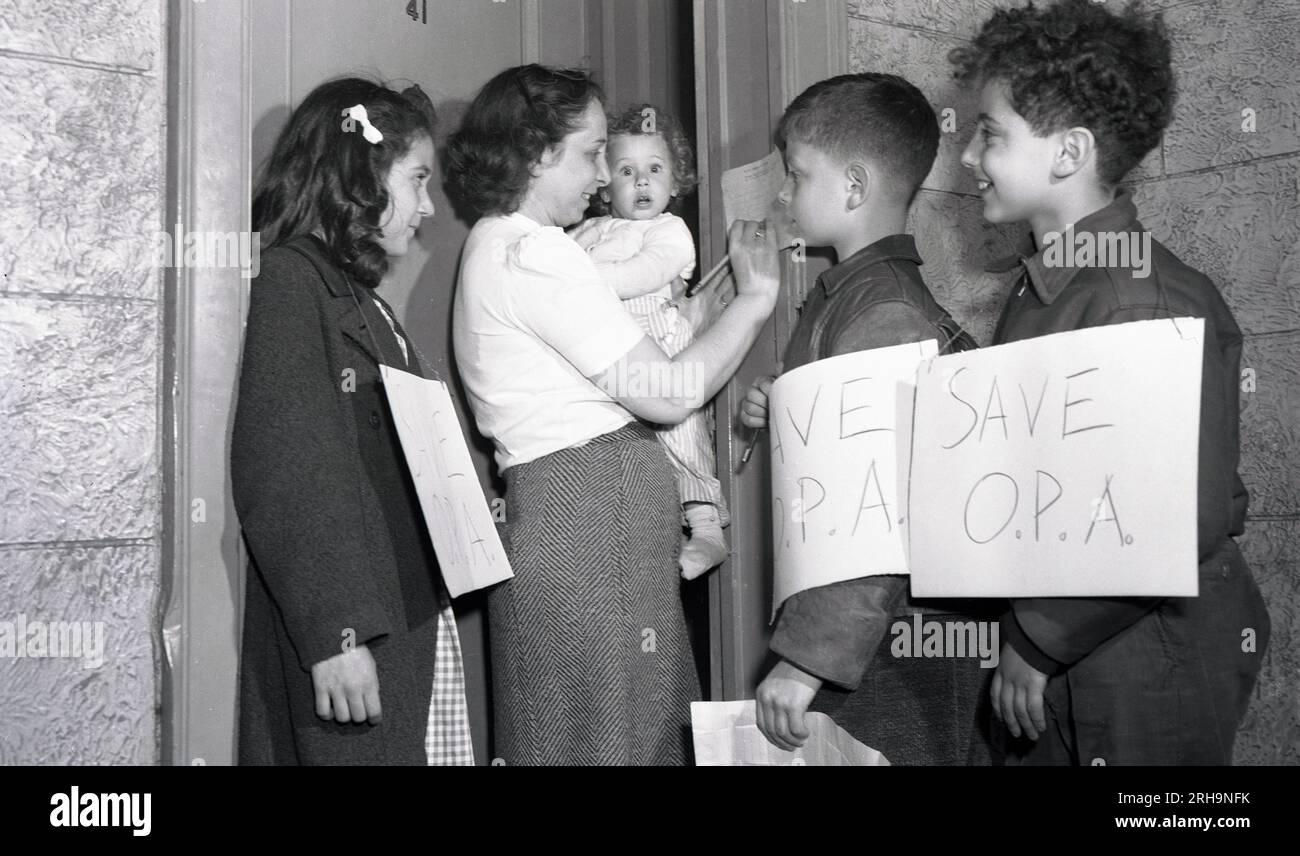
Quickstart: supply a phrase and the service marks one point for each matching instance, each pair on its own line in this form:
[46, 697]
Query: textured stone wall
[1220, 195]
[81, 198]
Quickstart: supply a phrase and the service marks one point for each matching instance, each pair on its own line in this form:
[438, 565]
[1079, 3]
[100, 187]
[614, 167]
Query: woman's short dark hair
[513, 119]
[650, 120]
[324, 174]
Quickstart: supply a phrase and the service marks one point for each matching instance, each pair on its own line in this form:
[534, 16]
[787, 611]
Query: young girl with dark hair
[345, 620]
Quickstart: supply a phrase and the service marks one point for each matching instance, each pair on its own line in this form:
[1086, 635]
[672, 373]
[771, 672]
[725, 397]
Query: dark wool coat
[1146, 680]
[337, 544]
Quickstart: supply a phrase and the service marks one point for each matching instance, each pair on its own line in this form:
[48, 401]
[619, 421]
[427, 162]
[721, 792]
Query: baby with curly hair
[646, 254]
[1072, 97]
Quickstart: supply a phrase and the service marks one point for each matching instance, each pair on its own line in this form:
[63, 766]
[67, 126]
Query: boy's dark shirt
[873, 299]
[1052, 633]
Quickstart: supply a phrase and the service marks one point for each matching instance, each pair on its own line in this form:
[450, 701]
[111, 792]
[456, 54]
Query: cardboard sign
[1064, 465]
[460, 524]
[839, 432]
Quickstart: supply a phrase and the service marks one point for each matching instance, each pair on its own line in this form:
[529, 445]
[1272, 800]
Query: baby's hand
[701, 310]
[1017, 694]
[678, 286]
[586, 234]
[753, 410]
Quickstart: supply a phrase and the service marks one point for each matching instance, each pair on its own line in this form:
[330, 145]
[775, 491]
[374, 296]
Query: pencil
[713, 271]
[692, 290]
[753, 444]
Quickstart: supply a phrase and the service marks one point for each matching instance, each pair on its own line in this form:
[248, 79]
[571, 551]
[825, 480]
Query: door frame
[748, 68]
[209, 175]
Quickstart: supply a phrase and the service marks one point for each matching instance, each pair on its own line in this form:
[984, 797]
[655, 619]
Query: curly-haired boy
[1072, 97]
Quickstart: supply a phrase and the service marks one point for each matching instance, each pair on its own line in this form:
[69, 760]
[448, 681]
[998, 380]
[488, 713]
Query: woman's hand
[755, 259]
[347, 687]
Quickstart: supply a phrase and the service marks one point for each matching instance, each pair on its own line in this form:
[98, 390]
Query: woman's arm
[666, 390]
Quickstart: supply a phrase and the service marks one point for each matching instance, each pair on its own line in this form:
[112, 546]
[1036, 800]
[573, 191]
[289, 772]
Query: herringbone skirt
[591, 663]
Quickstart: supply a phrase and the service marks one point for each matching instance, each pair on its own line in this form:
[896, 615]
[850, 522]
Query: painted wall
[1222, 193]
[81, 198]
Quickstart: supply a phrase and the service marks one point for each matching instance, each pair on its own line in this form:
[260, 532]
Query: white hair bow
[357, 113]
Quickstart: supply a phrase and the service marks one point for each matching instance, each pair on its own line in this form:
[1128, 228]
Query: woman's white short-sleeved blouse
[532, 321]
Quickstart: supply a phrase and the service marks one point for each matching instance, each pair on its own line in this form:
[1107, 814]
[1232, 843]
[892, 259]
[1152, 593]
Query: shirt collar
[1050, 280]
[886, 249]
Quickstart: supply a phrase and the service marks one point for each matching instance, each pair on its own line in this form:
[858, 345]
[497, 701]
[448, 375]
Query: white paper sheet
[464, 536]
[748, 191]
[726, 735]
[839, 432]
[1064, 465]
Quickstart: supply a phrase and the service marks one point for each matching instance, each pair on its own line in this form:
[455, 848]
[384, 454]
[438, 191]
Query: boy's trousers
[1171, 689]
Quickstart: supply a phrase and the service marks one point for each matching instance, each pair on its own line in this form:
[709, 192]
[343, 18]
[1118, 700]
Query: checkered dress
[447, 740]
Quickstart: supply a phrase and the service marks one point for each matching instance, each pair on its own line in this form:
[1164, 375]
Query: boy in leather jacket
[857, 148]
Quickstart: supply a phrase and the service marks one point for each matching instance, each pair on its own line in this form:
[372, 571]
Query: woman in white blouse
[590, 658]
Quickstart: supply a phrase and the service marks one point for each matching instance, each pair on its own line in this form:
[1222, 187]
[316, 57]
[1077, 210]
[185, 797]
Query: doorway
[725, 67]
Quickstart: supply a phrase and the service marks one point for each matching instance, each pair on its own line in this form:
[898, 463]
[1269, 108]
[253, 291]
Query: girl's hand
[1017, 694]
[755, 259]
[347, 687]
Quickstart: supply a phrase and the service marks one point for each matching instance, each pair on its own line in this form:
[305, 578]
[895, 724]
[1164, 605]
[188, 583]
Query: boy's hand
[755, 260]
[347, 687]
[781, 702]
[1017, 694]
[753, 410]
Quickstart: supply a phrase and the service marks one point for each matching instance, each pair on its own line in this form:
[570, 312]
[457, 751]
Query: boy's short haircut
[870, 116]
[1076, 64]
